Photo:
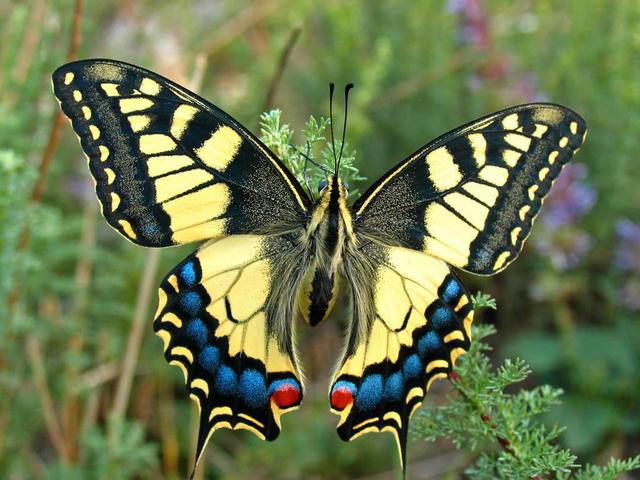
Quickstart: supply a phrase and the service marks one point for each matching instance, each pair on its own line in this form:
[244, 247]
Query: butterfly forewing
[170, 167]
[471, 196]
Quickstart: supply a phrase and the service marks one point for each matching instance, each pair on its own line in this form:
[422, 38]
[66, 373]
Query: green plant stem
[457, 381]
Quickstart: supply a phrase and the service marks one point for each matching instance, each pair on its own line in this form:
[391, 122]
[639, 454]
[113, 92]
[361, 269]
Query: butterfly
[171, 168]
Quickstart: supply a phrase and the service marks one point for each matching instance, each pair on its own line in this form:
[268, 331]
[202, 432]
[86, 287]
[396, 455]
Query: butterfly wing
[471, 196]
[170, 167]
[222, 325]
[410, 323]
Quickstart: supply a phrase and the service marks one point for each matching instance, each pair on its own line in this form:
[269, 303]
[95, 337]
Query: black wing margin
[470, 197]
[169, 167]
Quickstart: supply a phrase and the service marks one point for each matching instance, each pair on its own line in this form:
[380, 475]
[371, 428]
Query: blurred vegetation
[78, 315]
[503, 427]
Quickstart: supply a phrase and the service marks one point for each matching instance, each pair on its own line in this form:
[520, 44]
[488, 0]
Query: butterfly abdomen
[318, 294]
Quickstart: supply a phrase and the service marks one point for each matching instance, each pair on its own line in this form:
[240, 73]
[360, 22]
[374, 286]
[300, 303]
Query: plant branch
[34, 353]
[282, 65]
[52, 142]
[457, 382]
[239, 24]
[136, 333]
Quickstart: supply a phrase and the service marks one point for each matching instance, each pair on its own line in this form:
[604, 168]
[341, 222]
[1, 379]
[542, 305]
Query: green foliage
[483, 300]
[14, 211]
[502, 426]
[604, 393]
[120, 451]
[611, 471]
[309, 168]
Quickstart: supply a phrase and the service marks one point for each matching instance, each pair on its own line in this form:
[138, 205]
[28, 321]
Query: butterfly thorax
[327, 234]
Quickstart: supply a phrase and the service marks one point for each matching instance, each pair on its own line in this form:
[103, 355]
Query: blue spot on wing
[198, 332]
[429, 343]
[150, 229]
[209, 357]
[370, 392]
[345, 384]
[188, 274]
[412, 366]
[252, 388]
[451, 291]
[191, 302]
[278, 383]
[393, 387]
[226, 381]
[441, 316]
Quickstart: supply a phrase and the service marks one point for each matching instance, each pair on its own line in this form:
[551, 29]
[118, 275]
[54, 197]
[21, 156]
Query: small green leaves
[483, 300]
[313, 161]
[611, 471]
[503, 427]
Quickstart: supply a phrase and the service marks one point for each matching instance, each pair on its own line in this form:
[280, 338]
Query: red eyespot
[341, 398]
[286, 395]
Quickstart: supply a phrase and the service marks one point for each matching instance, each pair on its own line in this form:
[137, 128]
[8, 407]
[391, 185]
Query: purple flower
[564, 248]
[474, 25]
[561, 239]
[491, 64]
[525, 89]
[570, 199]
[630, 294]
[627, 254]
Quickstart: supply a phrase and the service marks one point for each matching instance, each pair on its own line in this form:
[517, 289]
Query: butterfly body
[171, 168]
[329, 236]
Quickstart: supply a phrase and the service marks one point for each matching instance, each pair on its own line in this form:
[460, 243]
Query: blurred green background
[77, 399]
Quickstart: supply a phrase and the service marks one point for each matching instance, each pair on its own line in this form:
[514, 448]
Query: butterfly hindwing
[420, 323]
[170, 167]
[219, 324]
[471, 196]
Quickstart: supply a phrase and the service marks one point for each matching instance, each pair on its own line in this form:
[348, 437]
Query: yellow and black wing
[471, 196]
[412, 318]
[169, 167]
[232, 338]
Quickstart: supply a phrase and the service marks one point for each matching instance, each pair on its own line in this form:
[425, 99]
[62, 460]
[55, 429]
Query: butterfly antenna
[333, 142]
[312, 161]
[304, 169]
[348, 87]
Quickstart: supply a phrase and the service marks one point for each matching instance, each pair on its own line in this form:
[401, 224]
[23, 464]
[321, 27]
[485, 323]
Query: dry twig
[282, 64]
[236, 26]
[34, 354]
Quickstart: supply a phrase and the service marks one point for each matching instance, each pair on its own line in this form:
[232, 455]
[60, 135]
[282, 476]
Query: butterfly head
[334, 182]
